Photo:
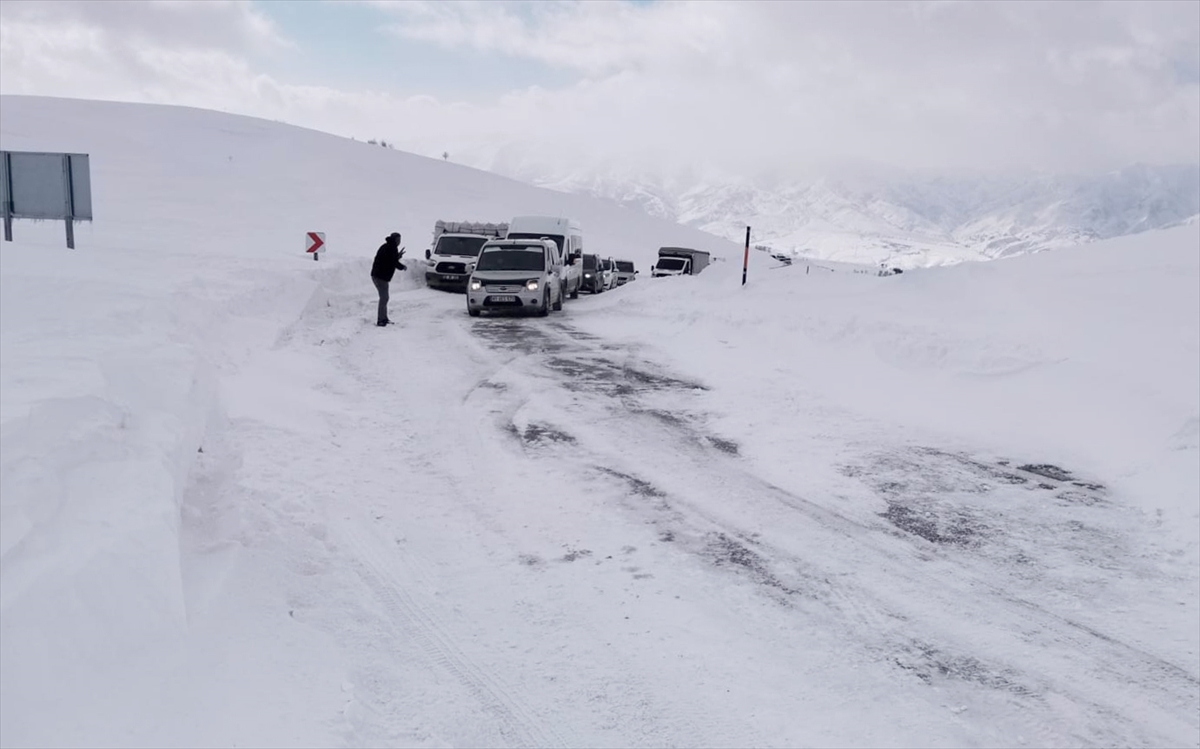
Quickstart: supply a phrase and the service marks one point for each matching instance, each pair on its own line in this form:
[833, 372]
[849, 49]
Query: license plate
[451, 278]
[504, 298]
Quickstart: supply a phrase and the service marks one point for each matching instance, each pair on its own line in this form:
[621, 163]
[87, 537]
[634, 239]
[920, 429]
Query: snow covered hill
[954, 507]
[905, 220]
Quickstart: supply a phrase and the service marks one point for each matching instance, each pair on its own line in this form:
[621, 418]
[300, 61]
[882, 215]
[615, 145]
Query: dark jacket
[387, 260]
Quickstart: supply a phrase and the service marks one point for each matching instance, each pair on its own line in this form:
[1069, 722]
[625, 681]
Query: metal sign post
[6, 194]
[69, 205]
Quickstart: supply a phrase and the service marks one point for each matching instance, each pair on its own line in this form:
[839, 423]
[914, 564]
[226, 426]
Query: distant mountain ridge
[903, 220]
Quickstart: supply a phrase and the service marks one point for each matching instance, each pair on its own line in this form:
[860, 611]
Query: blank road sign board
[40, 186]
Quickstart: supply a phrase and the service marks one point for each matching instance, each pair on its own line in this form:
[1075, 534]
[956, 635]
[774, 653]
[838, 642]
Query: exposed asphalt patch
[935, 523]
[589, 373]
[1072, 497]
[930, 664]
[670, 418]
[530, 560]
[573, 554]
[639, 487]
[535, 433]
[947, 498]
[524, 336]
[725, 551]
[998, 472]
[729, 447]
[927, 471]
[1046, 470]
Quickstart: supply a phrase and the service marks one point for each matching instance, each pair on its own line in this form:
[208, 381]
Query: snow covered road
[516, 532]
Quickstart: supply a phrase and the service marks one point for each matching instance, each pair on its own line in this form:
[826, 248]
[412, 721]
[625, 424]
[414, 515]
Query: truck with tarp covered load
[454, 251]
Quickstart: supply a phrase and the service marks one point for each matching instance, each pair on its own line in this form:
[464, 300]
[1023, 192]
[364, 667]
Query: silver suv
[516, 275]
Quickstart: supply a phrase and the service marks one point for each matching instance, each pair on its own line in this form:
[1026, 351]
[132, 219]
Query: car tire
[558, 303]
[472, 312]
[545, 308]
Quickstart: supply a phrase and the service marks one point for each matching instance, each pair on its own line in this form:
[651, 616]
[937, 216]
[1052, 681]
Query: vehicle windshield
[625, 266]
[558, 240]
[531, 257]
[465, 246]
[589, 262]
[606, 265]
[671, 263]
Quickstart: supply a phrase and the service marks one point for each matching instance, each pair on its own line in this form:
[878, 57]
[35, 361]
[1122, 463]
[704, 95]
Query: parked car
[625, 272]
[593, 276]
[516, 275]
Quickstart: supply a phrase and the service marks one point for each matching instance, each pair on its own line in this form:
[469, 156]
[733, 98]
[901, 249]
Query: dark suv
[593, 275]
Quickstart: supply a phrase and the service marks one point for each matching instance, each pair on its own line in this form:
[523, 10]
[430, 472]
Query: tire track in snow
[1078, 648]
[508, 388]
[517, 725]
[1110, 666]
[389, 572]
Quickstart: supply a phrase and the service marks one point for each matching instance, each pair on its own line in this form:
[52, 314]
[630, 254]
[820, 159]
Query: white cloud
[226, 24]
[744, 86]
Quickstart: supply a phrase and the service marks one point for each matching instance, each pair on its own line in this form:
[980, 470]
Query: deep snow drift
[956, 507]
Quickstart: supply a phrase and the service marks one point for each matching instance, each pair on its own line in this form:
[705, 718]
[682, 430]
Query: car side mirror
[426, 254]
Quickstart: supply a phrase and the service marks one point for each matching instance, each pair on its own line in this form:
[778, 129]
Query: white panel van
[566, 233]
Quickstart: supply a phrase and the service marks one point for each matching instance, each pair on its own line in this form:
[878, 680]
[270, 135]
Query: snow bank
[110, 379]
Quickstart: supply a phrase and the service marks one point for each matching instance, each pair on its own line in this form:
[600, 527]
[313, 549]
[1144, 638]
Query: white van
[567, 234]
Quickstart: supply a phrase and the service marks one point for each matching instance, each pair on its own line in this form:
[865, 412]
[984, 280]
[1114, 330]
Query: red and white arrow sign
[314, 241]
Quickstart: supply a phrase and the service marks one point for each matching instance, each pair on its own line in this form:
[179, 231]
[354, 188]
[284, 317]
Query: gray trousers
[382, 286]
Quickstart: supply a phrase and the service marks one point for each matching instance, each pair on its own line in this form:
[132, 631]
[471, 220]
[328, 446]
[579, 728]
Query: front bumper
[505, 299]
[452, 281]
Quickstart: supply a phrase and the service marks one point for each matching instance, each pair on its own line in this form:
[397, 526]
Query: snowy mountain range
[901, 219]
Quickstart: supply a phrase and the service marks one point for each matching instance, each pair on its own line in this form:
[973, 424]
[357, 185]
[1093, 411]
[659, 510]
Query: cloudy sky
[743, 87]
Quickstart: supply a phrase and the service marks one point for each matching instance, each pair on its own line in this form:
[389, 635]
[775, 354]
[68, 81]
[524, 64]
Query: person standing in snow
[387, 260]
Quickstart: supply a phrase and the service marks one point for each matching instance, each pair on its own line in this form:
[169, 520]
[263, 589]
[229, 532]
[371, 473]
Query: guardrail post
[746, 258]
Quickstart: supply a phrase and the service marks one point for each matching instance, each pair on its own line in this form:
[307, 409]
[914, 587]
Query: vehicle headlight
[532, 284]
[476, 285]
[587, 275]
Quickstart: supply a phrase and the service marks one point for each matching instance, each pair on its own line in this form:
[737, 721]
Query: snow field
[952, 507]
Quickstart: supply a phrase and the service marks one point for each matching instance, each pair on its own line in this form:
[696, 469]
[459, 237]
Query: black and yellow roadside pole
[746, 258]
